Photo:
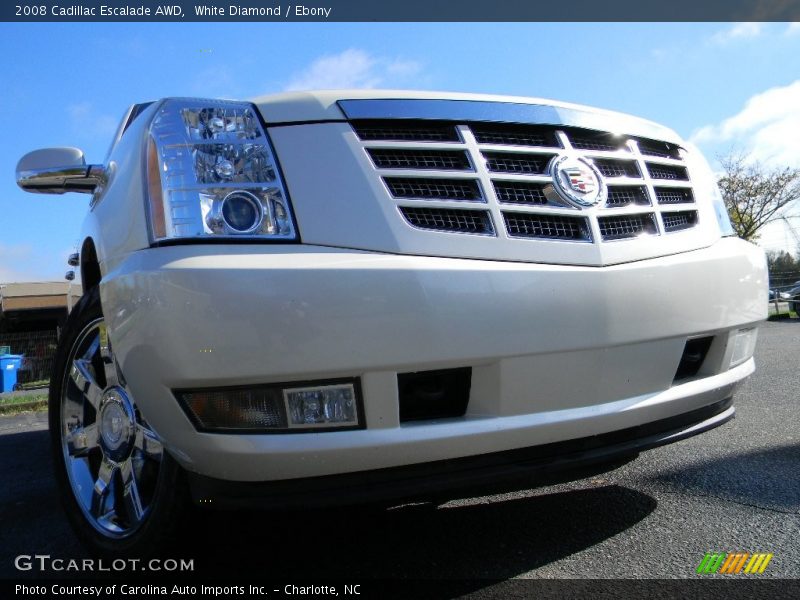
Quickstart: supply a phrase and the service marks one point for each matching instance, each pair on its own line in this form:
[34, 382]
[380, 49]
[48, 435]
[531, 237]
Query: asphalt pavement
[736, 488]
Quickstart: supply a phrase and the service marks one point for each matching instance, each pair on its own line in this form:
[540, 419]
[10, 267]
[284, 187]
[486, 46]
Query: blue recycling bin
[9, 365]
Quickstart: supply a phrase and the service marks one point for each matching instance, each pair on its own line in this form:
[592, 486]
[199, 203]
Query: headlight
[212, 173]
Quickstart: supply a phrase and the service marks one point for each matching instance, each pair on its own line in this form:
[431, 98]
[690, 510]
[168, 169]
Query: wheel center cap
[117, 423]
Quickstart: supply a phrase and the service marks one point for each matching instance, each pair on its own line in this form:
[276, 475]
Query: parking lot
[733, 489]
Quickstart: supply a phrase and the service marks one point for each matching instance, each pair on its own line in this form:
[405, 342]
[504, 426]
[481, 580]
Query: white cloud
[353, 68]
[738, 32]
[766, 128]
[793, 29]
[85, 121]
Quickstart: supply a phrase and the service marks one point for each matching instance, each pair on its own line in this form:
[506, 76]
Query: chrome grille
[443, 160]
[626, 226]
[675, 221]
[434, 189]
[550, 227]
[443, 219]
[513, 186]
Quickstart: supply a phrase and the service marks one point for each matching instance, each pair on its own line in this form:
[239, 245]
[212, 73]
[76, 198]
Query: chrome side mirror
[58, 170]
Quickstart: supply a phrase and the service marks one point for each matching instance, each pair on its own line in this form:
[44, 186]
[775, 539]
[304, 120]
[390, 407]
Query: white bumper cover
[556, 352]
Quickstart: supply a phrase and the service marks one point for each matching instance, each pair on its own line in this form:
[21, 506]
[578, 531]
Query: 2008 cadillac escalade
[366, 294]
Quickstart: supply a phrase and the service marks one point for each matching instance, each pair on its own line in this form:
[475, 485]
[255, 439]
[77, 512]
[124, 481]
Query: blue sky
[720, 84]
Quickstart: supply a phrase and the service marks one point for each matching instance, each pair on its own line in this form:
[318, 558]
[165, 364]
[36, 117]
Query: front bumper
[557, 353]
[485, 473]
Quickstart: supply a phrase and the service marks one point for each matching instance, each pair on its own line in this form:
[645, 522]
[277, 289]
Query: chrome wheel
[112, 457]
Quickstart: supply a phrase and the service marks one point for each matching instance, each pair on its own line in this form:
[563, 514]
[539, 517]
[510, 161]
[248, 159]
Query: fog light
[313, 406]
[744, 344]
[274, 408]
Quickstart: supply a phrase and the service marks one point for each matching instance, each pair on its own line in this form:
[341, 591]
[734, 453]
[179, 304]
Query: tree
[754, 194]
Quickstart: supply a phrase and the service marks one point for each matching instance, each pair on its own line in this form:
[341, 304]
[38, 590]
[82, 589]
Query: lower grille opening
[694, 353]
[439, 394]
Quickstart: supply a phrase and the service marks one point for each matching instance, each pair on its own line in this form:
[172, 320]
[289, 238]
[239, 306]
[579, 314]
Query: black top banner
[402, 10]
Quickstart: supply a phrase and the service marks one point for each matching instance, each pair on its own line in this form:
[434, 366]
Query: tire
[123, 494]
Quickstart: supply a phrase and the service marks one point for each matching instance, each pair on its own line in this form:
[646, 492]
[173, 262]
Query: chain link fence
[784, 294]
[38, 349]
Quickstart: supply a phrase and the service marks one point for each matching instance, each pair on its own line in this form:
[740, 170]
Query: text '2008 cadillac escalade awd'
[340, 295]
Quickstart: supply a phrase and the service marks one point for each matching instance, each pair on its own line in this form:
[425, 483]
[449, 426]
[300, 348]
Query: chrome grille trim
[548, 227]
[506, 169]
[434, 188]
[449, 220]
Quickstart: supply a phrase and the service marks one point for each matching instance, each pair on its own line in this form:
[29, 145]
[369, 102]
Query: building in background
[31, 318]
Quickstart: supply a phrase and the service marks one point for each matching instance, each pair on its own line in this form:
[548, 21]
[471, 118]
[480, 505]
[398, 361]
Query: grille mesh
[530, 164]
[443, 189]
[675, 221]
[445, 160]
[589, 140]
[400, 131]
[445, 219]
[520, 192]
[655, 148]
[626, 226]
[516, 135]
[658, 171]
[552, 227]
[623, 195]
[611, 167]
[674, 195]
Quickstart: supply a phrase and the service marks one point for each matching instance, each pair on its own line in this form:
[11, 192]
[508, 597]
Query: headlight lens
[212, 173]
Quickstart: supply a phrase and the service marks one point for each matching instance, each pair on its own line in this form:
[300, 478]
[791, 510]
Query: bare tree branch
[754, 194]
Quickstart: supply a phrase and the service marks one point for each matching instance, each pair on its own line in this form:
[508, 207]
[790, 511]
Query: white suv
[332, 296]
